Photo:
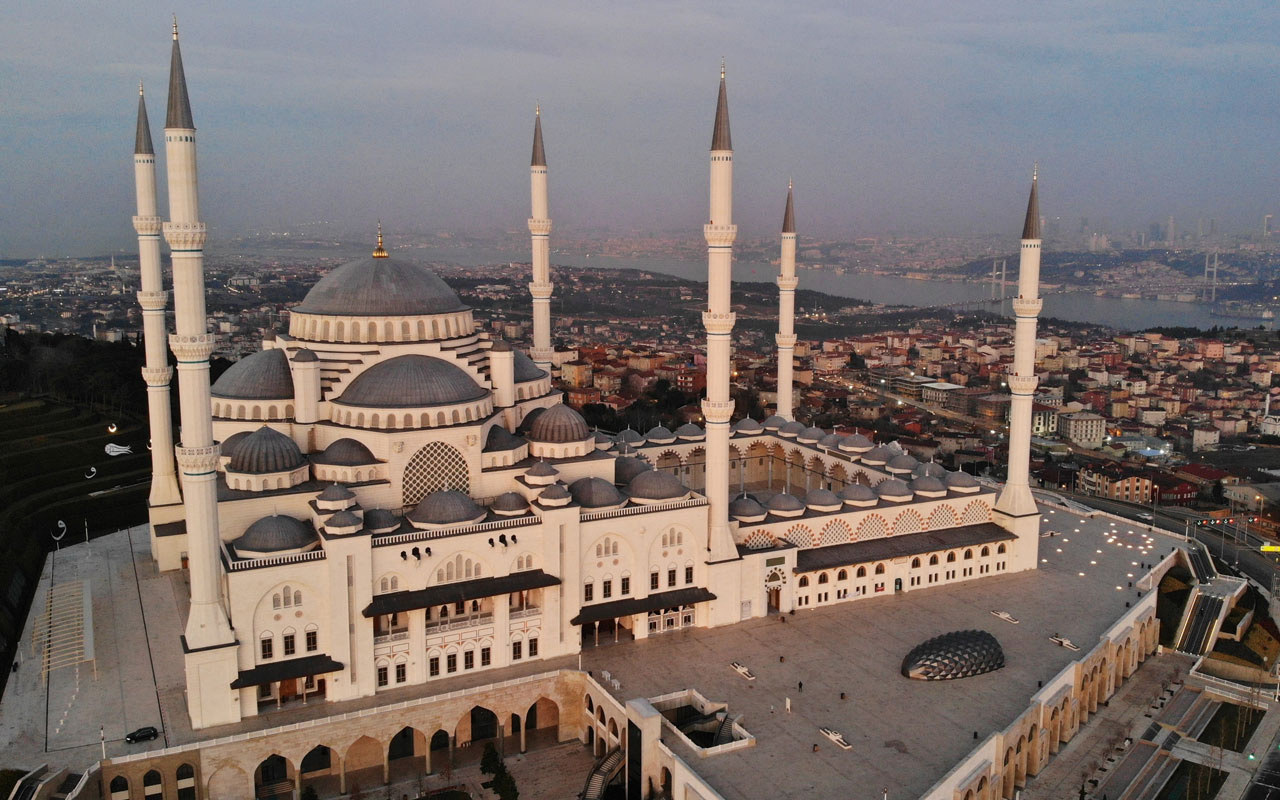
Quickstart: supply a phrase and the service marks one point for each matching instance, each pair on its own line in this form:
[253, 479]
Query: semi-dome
[812, 435]
[595, 493]
[275, 534]
[627, 467]
[928, 486]
[747, 425]
[857, 443]
[930, 469]
[690, 432]
[822, 500]
[449, 507]
[263, 375]
[346, 452]
[660, 434]
[233, 441]
[858, 494]
[746, 509]
[525, 370]
[380, 287]
[774, 422]
[787, 505]
[893, 489]
[791, 429]
[656, 485]
[412, 381]
[509, 504]
[381, 520]
[265, 450]
[559, 424]
[529, 419]
[498, 440]
[902, 464]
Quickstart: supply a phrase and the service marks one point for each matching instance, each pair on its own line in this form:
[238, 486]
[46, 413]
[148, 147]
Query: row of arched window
[286, 598]
[229, 410]
[879, 569]
[440, 327]
[153, 784]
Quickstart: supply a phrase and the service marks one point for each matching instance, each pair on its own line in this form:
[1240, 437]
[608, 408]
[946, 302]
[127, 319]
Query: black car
[142, 735]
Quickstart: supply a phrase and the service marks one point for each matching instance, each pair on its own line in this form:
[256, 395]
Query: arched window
[151, 784]
[288, 597]
[275, 600]
[599, 550]
[968, 554]
[933, 560]
[1000, 548]
[842, 575]
[384, 585]
[862, 572]
[986, 551]
[915, 563]
[822, 578]
[879, 569]
[120, 784]
[951, 558]
[804, 581]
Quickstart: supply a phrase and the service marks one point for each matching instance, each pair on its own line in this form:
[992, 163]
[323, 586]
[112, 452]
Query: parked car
[145, 734]
[1145, 517]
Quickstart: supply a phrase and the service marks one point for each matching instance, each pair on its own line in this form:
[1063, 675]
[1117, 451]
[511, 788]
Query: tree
[490, 761]
[505, 786]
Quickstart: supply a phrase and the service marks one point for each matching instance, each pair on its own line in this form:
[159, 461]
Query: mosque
[386, 495]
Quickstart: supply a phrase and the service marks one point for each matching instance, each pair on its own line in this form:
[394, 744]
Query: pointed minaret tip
[539, 153]
[142, 140]
[179, 111]
[789, 216]
[720, 139]
[175, 27]
[1031, 225]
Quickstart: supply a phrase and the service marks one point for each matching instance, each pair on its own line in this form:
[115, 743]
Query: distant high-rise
[1171, 231]
[1266, 226]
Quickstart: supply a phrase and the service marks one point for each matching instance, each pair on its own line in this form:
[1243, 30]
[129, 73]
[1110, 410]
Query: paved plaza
[906, 734]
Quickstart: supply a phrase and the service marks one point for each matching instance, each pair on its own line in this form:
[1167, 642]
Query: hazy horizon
[905, 117]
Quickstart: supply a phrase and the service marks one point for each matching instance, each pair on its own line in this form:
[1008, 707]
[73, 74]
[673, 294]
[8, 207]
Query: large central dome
[380, 287]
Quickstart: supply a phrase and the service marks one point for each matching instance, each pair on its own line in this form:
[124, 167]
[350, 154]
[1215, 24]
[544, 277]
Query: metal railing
[455, 530]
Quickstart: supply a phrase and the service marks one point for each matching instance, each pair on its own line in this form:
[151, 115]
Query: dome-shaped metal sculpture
[959, 654]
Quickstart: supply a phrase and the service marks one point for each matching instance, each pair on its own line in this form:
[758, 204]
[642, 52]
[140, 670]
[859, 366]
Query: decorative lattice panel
[907, 522]
[759, 540]
[837, 532]
[434, 468]
[942, 517]
[976, 512]
[873, 527]
[800, 536]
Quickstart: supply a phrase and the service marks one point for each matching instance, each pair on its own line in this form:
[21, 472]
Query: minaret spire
[540, 287]
[720, 139]
[1031, 226]
[787, 281]
[179, 111]
[142, 140]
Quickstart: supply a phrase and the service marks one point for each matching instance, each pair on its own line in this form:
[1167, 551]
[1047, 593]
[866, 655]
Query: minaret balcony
[788, 283]
[719, 235]
[1023, 384]
[1027, 306]
[148, 226]
[153, 301]
[185, 235]
[191, 348]
[715, 322]
[540, 227]
[786, 340]
[198, 460]
[717, 410]
[157, 376]
[541, 291]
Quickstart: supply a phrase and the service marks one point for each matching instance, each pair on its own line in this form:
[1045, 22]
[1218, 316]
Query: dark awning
[285, 670]
[395, 602]
[911, 544]
[642, 605]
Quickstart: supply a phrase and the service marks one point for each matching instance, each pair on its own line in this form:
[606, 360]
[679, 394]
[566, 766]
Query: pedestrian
[800, 686]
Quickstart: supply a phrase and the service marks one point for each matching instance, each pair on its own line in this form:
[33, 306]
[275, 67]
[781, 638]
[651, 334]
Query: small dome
[791, 429]
[274, 535]
[747, 425]
[893, 488]
[746, 509]
[335, 492]
[266, 450]
[629, 436]
[380, 287]
[690, 432]
[625, 449]
[412, 381]
[343, 519]
[773, 423]
[601, 437]
[660, 435]
[812, 435]
[929, 486]
[901, 464]
[510, 503]
[542, 469]
[233, 441]
[595, 493]
[449, 507]
[830, 442]
[525, 370]
[305, 356]
[656, 485]
[822, 500]
[263, 375]
[627, 467]
[930, 469]
[878, 455]
[960, 480]
[500, 346]
[857, 493]
[786, 504]
[560, 424]
[346, 452]
[499, 440]
[381, 520]
[857, 443]
[554, 495]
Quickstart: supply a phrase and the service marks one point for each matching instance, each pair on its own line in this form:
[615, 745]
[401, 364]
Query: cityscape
[966, 494]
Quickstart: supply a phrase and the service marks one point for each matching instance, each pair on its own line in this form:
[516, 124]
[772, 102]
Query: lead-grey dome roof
[747, 425]
[263, 375]
[855, 442]
[857, 493]
[594, 493]
[542, 469]
[380, 287]
[509, 501]
[275, 534]
[812, 434]
[265, 450]
[927, 483]
[772, 423]
[627, 467]
[411, 381]
[446, 508]
[346, 452]
[931, 470]
[902, 463]
[380, 520]
[233, 441]
[792, 428]
[305, 356]
[746, 507]
[785, 502]
[334, 492]
[629, 436]
[689, 431]
[821, 499]
[879, 455]
[559, 424]
[893, 488]
[660, 434]
[961, 479]
[500, 439]
[525, 370]
[656, 485]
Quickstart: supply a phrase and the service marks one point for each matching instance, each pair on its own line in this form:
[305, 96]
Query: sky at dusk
[905, 116]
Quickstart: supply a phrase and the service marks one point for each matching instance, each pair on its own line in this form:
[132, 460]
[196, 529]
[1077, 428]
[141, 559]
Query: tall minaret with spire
[787, 308]
[153, 299]
[718, 319]
[208, 631]
[540, 233]
[1016, 509]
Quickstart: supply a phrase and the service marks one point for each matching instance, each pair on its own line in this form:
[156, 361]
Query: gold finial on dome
[379, 252]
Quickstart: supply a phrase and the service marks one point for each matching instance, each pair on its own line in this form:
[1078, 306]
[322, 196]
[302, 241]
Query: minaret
[207, 624]
[153, 299]
[787, 308]
[718, 319]
[1016, 508]
[540, 232]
